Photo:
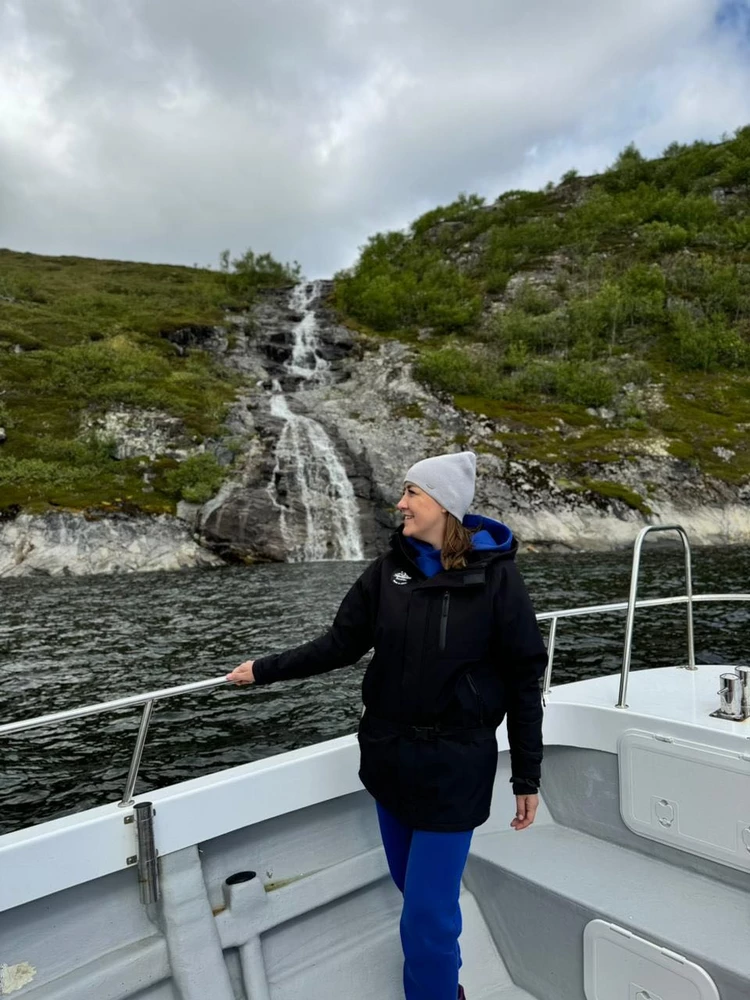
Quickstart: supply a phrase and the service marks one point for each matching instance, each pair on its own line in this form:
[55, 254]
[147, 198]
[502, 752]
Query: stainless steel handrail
[163, 694]
[630, 622]
[597, 609]
[147, 700]
[108, 706]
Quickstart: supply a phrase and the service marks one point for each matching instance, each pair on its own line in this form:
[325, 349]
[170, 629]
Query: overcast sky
[167, 130]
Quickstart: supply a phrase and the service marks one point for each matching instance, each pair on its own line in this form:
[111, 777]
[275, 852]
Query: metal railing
[688, 598]
[632, 600]
[149, 698]
[601, 609]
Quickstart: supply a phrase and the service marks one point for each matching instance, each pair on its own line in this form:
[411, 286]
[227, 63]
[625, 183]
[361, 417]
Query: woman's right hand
[242, 674]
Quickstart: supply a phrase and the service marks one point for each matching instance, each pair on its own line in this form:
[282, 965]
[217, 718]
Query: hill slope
[91, 347]
[601, 317]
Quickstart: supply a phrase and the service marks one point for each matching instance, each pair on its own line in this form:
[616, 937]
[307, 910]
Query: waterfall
[306, 362]
[307, 459]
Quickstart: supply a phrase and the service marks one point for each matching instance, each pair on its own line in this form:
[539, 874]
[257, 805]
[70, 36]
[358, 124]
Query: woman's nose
[401, 505]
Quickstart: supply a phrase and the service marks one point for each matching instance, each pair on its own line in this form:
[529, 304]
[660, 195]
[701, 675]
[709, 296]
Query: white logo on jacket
[400, 577]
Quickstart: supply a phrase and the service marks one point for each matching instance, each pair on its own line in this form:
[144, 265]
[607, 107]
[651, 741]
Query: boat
[267, 881]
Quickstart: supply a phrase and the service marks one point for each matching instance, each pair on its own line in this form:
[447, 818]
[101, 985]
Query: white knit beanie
[448, 479]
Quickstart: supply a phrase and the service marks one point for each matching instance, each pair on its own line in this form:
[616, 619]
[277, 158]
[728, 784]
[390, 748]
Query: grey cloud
[169, 129]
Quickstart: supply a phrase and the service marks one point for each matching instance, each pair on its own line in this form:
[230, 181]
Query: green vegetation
[616, 491]
[78, 336]
[579, 297]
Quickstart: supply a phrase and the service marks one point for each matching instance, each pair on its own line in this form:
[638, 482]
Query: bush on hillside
[253, 270]
[452, 370]
[196, 479]
[708, 345]
[394, 287]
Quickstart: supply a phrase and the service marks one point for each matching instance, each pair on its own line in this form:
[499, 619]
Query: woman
[456, 648]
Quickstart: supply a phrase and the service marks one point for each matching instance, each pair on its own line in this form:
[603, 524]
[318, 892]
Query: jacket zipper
[444, 619]
[473, 687]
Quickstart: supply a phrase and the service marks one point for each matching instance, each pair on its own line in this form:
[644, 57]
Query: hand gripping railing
[632, 600]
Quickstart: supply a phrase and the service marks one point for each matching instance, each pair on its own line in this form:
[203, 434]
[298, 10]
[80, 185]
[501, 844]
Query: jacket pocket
[477, 698]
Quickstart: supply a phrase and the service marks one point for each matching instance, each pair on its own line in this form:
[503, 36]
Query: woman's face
[424, 518]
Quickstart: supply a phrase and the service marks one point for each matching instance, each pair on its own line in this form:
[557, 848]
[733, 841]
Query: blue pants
[427, 867]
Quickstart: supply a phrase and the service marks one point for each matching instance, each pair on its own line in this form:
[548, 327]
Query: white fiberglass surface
[670, 694]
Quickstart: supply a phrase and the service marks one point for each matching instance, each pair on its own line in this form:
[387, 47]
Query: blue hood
[491, 536]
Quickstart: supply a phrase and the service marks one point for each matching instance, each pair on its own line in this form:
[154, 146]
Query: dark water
[69, 642]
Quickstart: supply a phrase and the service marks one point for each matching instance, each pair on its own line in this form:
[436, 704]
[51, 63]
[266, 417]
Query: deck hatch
[691, 796]
[619, 965]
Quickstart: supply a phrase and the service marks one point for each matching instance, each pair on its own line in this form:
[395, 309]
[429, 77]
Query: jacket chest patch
[400, 578]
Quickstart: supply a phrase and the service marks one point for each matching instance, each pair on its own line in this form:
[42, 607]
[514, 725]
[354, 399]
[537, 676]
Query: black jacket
[453, 654]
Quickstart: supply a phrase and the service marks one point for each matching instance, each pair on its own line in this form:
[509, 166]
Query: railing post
[148, 865]
[135, 760]
[550, 657]
[689, 591]
[632, 598]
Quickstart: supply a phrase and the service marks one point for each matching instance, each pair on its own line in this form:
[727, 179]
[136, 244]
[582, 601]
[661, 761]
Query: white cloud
[169, 130]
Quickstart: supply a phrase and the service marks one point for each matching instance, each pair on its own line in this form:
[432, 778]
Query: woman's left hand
[526, 807]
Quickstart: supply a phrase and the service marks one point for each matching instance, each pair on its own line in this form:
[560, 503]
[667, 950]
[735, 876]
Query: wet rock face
[261, 512]
[271, 336]
[206, 338]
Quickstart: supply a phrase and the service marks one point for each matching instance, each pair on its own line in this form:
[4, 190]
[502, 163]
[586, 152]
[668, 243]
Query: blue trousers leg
[427, 867]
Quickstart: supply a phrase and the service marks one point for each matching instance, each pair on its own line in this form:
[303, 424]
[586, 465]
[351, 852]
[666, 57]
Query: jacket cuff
[525, 786]
[262, 667]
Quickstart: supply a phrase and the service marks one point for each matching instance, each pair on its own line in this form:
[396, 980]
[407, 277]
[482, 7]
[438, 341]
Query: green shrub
[452, 370]
[196, 479]
[540, 334]
[716, 285]
[663, 237]
[396, 285]
[585, 384]
[533, 300]
[251, 271]
[628, 171]
[461, 209]
[708, 345]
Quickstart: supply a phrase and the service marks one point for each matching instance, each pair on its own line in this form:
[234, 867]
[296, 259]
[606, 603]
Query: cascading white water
[306, 362]
[307, 459]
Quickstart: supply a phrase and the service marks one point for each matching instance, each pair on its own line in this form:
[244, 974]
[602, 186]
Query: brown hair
[456, 544]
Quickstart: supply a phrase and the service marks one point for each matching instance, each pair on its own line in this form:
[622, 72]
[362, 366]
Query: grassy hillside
[603, 316]
[78, 336]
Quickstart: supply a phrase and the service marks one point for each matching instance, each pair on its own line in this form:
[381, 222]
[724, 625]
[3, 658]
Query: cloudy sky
[167, 130]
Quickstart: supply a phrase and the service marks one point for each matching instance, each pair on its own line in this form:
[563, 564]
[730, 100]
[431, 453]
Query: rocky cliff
[382, 420]
[316, 397]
